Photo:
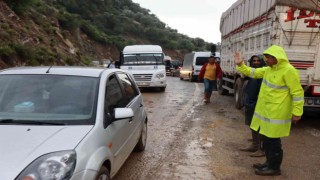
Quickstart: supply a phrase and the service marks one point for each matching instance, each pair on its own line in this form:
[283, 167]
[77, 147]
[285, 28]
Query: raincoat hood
[277, 52]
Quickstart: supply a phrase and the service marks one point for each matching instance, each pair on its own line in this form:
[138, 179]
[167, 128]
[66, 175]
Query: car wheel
[181, 78]
[162, 89]
[103, 174]
[238, 94]
[141, 145]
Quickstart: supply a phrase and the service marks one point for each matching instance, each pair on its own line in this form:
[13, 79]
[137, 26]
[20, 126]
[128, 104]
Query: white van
[192, 64]
[146, 64]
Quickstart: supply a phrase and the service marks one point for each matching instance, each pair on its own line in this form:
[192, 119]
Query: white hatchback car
[68, 122]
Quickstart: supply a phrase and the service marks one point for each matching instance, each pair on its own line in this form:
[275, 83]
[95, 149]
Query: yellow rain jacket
[281, 95]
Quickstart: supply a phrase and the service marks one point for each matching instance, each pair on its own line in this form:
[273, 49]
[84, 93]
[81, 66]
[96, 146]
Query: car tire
[181, 78]
[191, 79]
[162, 89]
[238, 93]
[141, 145]
[103, 174]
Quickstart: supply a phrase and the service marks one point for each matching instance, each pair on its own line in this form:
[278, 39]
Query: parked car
[68, 122]
[175, 69]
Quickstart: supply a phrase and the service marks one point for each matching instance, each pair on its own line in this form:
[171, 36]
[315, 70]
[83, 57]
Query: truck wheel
[220, 88]
[243, 91]
[237, 93]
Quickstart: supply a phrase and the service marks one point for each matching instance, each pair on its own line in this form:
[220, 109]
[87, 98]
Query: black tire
[103, 174]
[238, 94]
[141, 145]
[243, 92]
[162, 89]
[221, 91]
[181, 78]
[191, 78]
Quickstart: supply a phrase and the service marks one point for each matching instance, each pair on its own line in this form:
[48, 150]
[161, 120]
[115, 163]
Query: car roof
[59, 70]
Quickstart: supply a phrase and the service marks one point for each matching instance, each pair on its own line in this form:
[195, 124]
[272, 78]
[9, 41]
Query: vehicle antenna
[49, 69]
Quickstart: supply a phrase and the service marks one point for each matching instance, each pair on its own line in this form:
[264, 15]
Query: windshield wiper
[15, 121]
[156, 59]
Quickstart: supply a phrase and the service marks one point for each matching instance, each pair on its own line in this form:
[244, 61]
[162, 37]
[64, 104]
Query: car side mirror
[123, 113]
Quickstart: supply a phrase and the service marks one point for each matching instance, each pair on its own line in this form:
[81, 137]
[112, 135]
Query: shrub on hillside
[20, 6]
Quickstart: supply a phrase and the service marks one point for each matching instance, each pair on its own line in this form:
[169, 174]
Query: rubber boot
[273, 168]
[257, 139]
[275, 155]
[206, 99]
[252, 148]
[209, 96]
[267, 154]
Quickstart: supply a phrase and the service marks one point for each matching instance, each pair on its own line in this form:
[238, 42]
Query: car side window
[113, 95]
[128, 85]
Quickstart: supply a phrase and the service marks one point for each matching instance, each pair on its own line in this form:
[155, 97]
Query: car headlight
[160, 75]
[57, 165]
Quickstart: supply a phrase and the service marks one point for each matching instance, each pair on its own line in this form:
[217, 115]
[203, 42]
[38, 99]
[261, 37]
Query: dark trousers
[256, 137]
[273, 151]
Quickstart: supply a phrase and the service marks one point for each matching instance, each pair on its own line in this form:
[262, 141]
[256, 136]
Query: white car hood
[20, 145]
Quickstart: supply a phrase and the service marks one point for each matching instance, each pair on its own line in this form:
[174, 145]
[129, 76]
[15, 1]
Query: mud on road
[190, 140]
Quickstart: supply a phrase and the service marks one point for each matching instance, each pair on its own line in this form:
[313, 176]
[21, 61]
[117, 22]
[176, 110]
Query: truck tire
[221, 91]
[243, 92]
[238, 93]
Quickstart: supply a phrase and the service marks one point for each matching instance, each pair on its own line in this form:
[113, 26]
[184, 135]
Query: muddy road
[190, 140]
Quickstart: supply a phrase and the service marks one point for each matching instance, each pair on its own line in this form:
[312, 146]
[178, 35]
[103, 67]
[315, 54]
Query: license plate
[142, 83]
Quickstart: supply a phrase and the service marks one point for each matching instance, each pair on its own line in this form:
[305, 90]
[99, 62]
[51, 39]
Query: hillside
[76, 32]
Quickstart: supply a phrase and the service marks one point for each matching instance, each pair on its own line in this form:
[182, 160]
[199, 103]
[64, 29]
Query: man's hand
[295, 119]
[237, 58]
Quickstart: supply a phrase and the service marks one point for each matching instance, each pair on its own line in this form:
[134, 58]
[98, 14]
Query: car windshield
[143, 59]
[48, 98]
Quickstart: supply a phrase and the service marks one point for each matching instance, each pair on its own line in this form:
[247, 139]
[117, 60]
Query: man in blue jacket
[251, 96]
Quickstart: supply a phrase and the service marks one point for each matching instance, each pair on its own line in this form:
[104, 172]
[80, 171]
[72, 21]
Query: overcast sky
[194, 18]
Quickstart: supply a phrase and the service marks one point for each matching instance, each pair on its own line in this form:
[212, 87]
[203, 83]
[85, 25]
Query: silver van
[192, 64]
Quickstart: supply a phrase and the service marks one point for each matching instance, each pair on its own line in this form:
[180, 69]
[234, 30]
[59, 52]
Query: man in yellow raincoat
[280, 102]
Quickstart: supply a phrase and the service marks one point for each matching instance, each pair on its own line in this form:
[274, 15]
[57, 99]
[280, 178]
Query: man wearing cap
[210, 72]
[280, 102]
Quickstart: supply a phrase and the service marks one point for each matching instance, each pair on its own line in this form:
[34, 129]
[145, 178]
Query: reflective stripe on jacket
[281, 95]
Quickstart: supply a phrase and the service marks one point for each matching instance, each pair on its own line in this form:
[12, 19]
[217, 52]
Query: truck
[251, 26]
[146, 64]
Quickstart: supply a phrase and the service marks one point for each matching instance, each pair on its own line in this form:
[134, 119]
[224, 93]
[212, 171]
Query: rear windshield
[201, 60]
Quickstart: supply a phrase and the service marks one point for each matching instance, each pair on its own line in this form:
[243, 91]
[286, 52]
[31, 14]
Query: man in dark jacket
[251, 96]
